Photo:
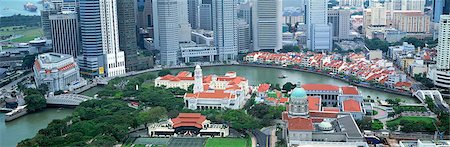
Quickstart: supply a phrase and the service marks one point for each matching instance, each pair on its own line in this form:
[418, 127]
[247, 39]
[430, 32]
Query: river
[27, 126]
[11, 7]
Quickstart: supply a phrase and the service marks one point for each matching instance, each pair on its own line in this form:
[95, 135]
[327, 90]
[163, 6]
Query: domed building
[298, 103]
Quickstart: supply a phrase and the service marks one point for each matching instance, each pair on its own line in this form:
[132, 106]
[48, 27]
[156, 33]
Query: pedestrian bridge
[435, 95]
[67, 99]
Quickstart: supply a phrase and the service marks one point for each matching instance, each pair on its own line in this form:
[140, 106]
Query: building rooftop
[346, 123]
[314, 103]
[351, 105]
[49, 58]
[263, 87]
[215, 94]
[350, 90]
[300, 124]
[188, 120]
[321, 87]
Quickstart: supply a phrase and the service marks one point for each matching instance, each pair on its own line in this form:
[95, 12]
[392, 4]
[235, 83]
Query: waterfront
[12, 7]
[27, 126]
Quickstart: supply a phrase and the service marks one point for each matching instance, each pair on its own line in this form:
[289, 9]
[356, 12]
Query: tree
[28, 61]
[289, 48]
[164, 72]
[394, 102]
[249, 104]
[288, 86]
[377, 43]
[35, 102]
[152, 115]
[191, 88]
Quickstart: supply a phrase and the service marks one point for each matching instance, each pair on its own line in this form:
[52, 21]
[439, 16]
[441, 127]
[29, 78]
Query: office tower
[340, 22]
[100, 40]
[166, 30]
[145, 15]
[126, 14]
[245, 13]
[65, 33]
[413, 23]
[267, 25]
[319, 38]
[443, 50]
[205, 17]
[374, 20]
[244, 39]
[183, 22]
[352, 3]
[193, 12]
[45, 21]
[440, 7]
[224, 27]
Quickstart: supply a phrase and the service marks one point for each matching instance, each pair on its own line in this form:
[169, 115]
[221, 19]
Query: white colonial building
[58, 72]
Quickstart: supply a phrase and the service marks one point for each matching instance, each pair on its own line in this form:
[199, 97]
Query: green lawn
[28, 33]
[227, 142]
[94, 90]
[397, 121]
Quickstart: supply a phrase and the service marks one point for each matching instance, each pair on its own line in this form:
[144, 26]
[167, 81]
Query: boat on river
[282, 76]
[16, 113]
[30, 7]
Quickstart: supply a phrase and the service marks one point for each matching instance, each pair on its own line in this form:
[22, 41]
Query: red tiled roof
[351, 105]
[323, 87]
[401, 84]
[330, 109]
[263, 87]
[188, 120]
[349, 90]
[313, 103]
[216, 94]
[183, 74]
[68, 66]
[323, 114]
[300, 124]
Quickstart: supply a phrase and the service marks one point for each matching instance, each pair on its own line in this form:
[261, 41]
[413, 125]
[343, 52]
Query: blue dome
[298, 93]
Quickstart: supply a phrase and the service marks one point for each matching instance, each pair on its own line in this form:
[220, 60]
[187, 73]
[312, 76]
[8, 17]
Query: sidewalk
[252, 137]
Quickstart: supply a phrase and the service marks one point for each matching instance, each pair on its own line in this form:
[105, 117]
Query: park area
[228, 142]
[192, 142]
[20, 34]
[412, 124]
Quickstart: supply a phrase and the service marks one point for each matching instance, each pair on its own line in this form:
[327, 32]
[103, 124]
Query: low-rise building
[188, 124]
[58, 72]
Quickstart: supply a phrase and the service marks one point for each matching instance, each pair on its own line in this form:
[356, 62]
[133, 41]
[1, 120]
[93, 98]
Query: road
[271, 133]
[13, 83]
[261, 138]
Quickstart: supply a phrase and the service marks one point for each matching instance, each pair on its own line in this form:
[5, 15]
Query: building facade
[205, 16]
[127, 26]
[224, 27]
[244, 37]
[440, 74]
[319, 32]
[65, 34]
[166, 28]
[193, 12]
[414, 23]
[340, 22]
[58, 72]
[100, 39]
[266, 15]
[440, 7]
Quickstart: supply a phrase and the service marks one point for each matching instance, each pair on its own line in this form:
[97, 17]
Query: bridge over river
[67, 99]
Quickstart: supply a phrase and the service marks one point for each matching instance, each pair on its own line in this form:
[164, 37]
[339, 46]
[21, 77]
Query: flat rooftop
[49, 58]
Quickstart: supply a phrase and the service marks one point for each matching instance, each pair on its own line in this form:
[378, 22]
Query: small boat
[282, 76]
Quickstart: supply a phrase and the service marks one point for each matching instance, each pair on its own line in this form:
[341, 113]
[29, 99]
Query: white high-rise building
[352, 3]
[441, 72]
[319, 39]
[267, 25]
[198, 80]
[115, 59]
[166, 30]
[443, 50]
[224, 27]
[65, 33]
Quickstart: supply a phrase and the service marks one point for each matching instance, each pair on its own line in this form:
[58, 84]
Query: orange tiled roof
[183, 74]
[263, 87]
[351, 105]
[323, 114]
[323, 87]
[401, 84]
[216, 94]
[349, 90]
[188, 120]
[314, 103]
[330, 109]
[300, 124]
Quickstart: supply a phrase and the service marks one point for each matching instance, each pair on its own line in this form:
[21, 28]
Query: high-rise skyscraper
[224, 27]
[205, 16]
[267, 25]
[440, 7]
[443, 49]
[166, 30]
[244, 39]
[340, 22]
[65, 33]
[126, 13]
[100, 39]
[319, 32]
[193, 12]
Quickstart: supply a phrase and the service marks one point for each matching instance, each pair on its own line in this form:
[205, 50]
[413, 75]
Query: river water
[27, 126]
[11, 7]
